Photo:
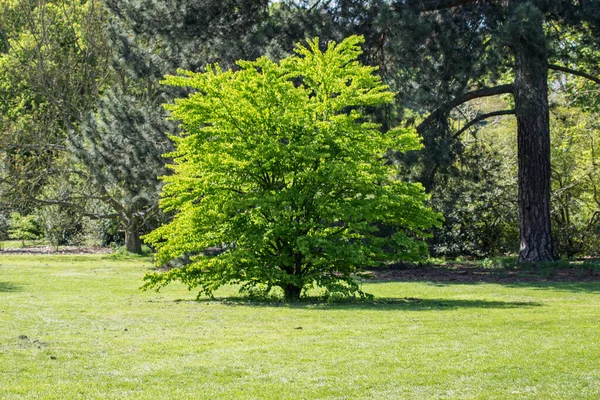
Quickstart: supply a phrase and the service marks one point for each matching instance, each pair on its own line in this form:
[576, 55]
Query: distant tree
[24, 227]
[575, 179]
[82, 128]
[53, 65]
[279, 167]
[120, 147]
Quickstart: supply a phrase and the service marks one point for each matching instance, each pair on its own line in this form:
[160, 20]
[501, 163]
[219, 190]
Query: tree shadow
[578, 287]
[589, 287]
[379, 303]
[557, 279]
[6, 287]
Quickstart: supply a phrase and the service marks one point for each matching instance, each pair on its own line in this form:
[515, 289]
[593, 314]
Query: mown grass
[77, 327]
[19, 244]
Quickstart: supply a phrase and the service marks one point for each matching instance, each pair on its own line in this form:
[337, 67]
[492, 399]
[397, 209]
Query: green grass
[77, 327]
[19, 244]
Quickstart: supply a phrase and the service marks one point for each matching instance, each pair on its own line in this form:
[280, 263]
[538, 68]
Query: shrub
[24, 227]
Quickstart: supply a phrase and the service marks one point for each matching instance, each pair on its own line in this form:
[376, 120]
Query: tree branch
[574, 72]
[5, 42]
[481, 118]
[434, 5]
[485, 92]
[475, 94]
[71, 204]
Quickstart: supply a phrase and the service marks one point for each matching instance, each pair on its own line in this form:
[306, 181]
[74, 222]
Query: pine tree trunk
[533, 136]
[133, 244]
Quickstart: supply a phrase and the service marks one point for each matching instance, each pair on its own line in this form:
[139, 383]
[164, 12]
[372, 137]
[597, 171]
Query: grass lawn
[18, 244]
[77, 327]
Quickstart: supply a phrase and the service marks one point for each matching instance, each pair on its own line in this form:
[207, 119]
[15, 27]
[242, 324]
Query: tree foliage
[24, 227]
[575, 180]
[53, 65]
[121, 147]
[189, 34]
[280, 168]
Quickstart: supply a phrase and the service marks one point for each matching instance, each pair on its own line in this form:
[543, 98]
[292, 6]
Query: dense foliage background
[82, 129]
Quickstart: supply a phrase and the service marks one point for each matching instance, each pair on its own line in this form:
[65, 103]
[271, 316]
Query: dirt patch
[60, 250]
[471, 274]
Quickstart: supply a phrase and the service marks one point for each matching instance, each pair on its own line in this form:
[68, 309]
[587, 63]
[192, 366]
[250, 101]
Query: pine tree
[121, 146]
[452, 49]
[522, 32]
[123, 141]
[189, 34]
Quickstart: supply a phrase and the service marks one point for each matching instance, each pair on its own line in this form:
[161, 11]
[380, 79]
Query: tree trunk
[292, 292]
[533, 136]
[133, 244]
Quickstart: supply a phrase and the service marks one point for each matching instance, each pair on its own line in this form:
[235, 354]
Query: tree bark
[292, 292]
[533, 135]
[133, 244]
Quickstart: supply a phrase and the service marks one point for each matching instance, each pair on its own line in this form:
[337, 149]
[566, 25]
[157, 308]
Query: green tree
[474, 45]
[279, 167]
[83, 129]
[121, 146]
[575, 179]
[24, 227]
[53, 65]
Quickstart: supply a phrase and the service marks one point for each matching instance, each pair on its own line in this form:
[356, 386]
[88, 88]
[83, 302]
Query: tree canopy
[80, 104]
[280, 168]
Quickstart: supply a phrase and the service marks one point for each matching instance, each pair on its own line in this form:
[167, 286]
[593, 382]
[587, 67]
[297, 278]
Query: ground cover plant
[79, 327]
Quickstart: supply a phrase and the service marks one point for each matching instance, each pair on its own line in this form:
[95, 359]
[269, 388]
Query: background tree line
[504, 93]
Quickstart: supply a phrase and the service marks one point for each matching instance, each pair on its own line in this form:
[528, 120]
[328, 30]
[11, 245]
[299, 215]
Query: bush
[122, 252]
[61, 225]
[24, 227]
[478, 203]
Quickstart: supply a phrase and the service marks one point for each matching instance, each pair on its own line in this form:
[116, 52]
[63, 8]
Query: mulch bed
[455, 273]
[52, 250]
[464, 273]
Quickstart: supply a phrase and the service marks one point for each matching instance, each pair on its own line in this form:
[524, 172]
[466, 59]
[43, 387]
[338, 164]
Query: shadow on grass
[548, 278]
[581, 287]
[590, 287]
[6, 287]
[385, 303]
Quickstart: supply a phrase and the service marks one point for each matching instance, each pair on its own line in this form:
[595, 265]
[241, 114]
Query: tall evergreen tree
[122, 143]
[121, 146]
[522, 30]
[189, 34]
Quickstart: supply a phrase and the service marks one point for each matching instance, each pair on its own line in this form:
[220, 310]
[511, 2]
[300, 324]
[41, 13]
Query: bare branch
[475, 94]
[434, 5]
[574, 72]
[481, 118]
